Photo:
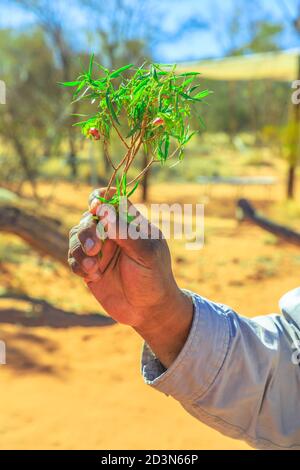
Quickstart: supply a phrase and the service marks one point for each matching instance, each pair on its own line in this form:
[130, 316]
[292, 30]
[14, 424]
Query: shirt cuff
[201, 358]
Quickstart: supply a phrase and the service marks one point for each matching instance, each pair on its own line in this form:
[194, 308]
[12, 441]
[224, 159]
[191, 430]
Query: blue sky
[192, 44]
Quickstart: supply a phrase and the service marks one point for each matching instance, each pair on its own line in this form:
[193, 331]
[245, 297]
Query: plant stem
[118, 132]
[140, 137]
[107, 155]
[142, 172]
[114, 174]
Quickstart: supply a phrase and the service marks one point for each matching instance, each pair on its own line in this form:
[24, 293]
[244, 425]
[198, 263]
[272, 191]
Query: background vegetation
[72, 378]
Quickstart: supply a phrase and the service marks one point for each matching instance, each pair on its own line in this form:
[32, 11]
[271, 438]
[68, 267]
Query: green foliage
[265, 38]
[152, 106]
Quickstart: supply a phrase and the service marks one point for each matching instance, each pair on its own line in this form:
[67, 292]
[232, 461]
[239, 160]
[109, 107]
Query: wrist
[166, 327]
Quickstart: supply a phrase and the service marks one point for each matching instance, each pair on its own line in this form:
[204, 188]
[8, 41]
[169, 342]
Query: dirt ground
[80, 388]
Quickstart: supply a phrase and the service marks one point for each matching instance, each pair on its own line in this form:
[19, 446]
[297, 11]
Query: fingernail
[89, 244]
[88, 263]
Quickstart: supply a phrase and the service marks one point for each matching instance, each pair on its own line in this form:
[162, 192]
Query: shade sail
[279, 66]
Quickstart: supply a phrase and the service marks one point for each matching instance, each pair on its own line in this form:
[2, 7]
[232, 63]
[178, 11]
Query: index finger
[88, 236]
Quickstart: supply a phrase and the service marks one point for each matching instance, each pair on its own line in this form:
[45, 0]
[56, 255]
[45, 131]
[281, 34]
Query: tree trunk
[46, 314]
[25, 165]
[72, 156]
[291, 182]
[294, 156]
[232, 92]
[285, 233]
[42, 233]
[253, 109]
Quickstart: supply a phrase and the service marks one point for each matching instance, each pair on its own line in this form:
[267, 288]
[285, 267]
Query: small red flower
[94, 133]
[158, 122]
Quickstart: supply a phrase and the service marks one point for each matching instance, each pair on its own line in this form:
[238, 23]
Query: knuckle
[74, 247]
[75, 266]
[88, 233]
[95, 193]
[86, 219]
[87, 225]
[73, 231]
[100, 192]
[77, 253]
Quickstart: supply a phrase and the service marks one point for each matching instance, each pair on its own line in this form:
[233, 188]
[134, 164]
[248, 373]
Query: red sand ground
[81, 388]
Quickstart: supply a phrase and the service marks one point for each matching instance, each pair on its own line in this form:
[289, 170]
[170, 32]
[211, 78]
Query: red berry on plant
[94, 133]
[158, 122]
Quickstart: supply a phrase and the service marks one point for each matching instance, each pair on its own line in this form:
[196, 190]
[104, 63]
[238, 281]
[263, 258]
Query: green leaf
[154, 73]
[142, 84]
[79, 88]
[167, 146]
[163, 65]
[91, 65]
[99, 83]
[188, 74]
[133, 189]
[70, 84]
[106, 71]
[188, 137]
[187, 82]
[194, 88]
[130, 218]
[187, 97]
[118, 72]
[202, 94]
[102, 199]
[134, 130]
[111, 108]
[81, 123]
[124, 184]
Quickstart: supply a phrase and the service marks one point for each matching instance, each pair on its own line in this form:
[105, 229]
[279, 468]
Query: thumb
[131, 231]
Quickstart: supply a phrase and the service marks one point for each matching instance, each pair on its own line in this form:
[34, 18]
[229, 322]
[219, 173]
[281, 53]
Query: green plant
[148, 106]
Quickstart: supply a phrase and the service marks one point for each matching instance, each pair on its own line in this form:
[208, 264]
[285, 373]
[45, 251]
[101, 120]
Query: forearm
[168, 327]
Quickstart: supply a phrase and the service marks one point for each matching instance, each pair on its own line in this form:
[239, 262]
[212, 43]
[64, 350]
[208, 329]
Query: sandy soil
[80, 388]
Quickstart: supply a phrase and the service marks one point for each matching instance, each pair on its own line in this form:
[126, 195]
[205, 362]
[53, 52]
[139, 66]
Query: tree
[31, 103]
[50, 16]
[291, 21]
